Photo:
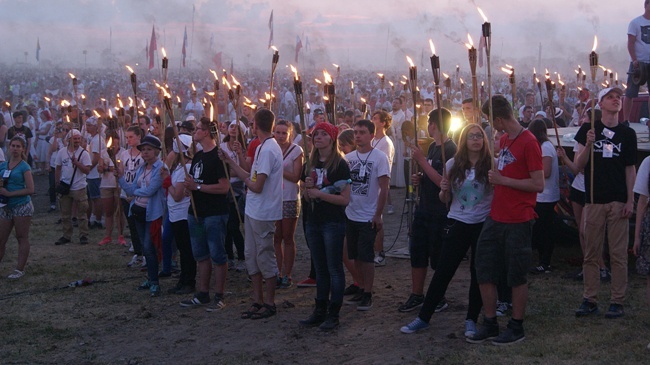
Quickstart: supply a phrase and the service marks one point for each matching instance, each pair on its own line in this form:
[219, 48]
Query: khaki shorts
[258, 247]
[107, 193]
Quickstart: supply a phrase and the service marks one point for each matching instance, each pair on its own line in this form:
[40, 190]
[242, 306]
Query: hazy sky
[362, 33]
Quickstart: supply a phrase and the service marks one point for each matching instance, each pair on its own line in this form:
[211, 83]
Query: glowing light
[214, 73]
[130, 69]
[163, 52]
[456, 124]
[110, 142]
[595, 44]
[485, 19]
[193, 87]
[295, 72]
[327, 77]
[71, 76]
[318, 81]
[274, 49]
[410, 61]
[469, 45]
[433, 48]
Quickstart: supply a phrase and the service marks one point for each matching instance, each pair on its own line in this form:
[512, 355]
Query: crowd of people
[226, 193]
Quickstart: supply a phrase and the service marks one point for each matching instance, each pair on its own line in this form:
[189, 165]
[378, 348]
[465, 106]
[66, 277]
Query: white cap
[608, 90]
[186, 140]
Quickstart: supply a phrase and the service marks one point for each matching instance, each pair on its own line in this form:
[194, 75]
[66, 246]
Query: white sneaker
[144, 261]
[470, 328]
[17, 274]
[131, 248]
[134, 261]
[502, 308]
[390, 209]
[240, 266]
[380, 260]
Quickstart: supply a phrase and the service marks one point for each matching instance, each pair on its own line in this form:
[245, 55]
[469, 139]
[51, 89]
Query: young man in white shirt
[383, 121]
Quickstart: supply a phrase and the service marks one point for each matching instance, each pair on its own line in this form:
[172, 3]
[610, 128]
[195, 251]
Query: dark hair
[500, 107]
[462, 163]
[205, 124]
[264, 119]
[24, 143]
[286, 124]
[444, 124]
[240, 135]
[538, 129]
[431, 100]
[528, 107]
[136, 130]
[468, 100]
[146, 119]
[366, 123]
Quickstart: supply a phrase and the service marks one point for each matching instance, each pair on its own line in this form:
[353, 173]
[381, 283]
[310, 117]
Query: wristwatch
[198, 187]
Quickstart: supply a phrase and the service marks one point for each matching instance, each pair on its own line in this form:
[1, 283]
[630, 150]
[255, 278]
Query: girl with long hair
[469, 194]
[234, 144]
[17, 208]
[108, 189]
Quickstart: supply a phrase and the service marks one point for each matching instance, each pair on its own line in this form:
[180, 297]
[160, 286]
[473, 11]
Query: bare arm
[431, 173]
[219, 188]
[641, 210]
[377, 222]
[336, 199]
[534, 184]
[297, 170]
[630, 49]
[547, 161]
[28, 190]
[630, 177]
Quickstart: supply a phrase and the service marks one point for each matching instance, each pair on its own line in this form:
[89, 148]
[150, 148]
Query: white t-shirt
[178, 209]
[108, 178]
[579, 180]
[266, 205]
[551, 191]
[641, 183]
[290, 190]
[63, 159]
[224, 147]
[130, 165]
[95, 147]
[640, 28]
[470, 203]
[365, 171]
[385, 145]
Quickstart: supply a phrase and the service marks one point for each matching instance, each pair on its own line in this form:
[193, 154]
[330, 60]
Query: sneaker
[52, 208]
[380, 259]
[286, 282]
[131, 248]
[62, 241]
[143, 262]
[185, 290]
[278, 282]
[502, 308]
[470, 328]
[146, 285]
[350, 290]
[83, 240]
[365, 303]
[240, 266]
[356, 299]
[413, 302]
[541, 269]
[307, 283]
[105, 241]
[135, 260]
[390, 210]
[231, 265]
[442, 305]
[514, 333]
[489, 330]
[121, 241]
[614, 310]
[154, 290]
[414, 326]
[586, 308]
[217, 305]
[17, 274]
[605, 275]
[197, 300]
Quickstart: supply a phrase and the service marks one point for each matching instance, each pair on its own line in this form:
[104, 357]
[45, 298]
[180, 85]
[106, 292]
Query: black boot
[332, 318]
[318, 316]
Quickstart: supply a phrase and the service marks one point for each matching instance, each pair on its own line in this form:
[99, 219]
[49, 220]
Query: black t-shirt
[429, 200]
[23, 131]
[207, 169]
[609, 172]
[324, 211]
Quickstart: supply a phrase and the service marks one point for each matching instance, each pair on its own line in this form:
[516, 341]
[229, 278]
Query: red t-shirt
[250, 152]
[518, 158]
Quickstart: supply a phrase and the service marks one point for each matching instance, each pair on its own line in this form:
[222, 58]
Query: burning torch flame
[211, 111]
[157, 111]
[380, 75]
[433, 48]
[462, 82]
[234, 80]
[352, 82]
[130, 69]
[110, 113]
[469, 45]
[410, 61]
[445, 75]
[595, 44]
[130, 102]
[390, 83]
[96, 114]
[46, 98]
[327, 77]
[335, 65]
[362, 100]
[275, 49]
[163, 52]
[193, 88]
[602, 67]
[110, 142]
[64, 103]
[178, 98]
[119, 102]
[295, 71]
[318, 81]
[485, 19]
[71, 76]
[506, 70]
[215, 74]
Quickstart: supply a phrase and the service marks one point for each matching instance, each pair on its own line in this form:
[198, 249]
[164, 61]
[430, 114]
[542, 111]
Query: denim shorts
[22, 210]
[93, 188]
[504, 247]
[207, 236]
[632, 90]
[361, 240]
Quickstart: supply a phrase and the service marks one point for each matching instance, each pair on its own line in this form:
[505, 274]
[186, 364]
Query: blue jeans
[167, 244]
[208, 235]
[149, 250]
[326, 245]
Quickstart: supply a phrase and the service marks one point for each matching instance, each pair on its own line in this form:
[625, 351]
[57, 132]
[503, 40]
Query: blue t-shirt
[16, 181]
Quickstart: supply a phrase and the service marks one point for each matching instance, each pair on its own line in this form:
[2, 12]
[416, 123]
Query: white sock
[92, 218]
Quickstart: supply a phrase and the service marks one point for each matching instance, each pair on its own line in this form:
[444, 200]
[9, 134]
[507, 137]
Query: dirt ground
[44, 321]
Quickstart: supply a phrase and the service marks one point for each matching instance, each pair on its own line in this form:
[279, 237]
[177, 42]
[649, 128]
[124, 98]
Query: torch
[472, 67]
[165, 66]
[168, 106]
[487, 34]
[216, 92]
[382, 79]
[352, 99]
[274, 64]
[447, 83]
[539, 88]
[413, 80]
[513, 85]
[111, 155]
[435, 68]
[364, 108]
[76, 99]
[593, 64]
[462, 89]
[134, 85]
[330, 92]
[550, 86]
[297, 88]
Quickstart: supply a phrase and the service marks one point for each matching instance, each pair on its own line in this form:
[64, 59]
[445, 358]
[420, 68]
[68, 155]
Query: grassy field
[44, 321]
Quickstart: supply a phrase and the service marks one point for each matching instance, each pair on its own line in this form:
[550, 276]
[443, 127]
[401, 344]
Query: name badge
[608, 150]
[362, 170]
[609, 134]
[6, 174]
[254, 178]
[500, 166]
[319, 180]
